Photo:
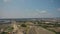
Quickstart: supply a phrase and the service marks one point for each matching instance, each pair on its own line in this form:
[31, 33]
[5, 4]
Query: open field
[29, 26]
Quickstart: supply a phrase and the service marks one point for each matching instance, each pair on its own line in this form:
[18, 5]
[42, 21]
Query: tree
[23, 25]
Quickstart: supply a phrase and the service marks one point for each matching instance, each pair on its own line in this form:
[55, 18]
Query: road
[39, 30]
[32, 31]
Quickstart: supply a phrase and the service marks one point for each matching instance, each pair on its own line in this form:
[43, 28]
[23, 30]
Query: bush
[23, 25]
[4, 33]
[57, 32]
[9, 29]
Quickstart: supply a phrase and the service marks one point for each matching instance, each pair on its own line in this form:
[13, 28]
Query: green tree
[24, 25]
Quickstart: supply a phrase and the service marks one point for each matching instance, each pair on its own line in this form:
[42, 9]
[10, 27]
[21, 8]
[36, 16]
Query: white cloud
[43, 11]
[43, 15]
[39, 11]
[27, 13]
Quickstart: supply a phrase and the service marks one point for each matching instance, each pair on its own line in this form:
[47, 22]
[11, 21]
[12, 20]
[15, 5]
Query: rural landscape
[30, 26]
[29, 16]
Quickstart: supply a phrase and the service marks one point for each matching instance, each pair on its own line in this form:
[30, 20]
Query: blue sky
[29, 8]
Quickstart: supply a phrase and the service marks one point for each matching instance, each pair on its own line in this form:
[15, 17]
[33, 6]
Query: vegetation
[9, 28]
[57, 32]
[24, 25]
[4, 33]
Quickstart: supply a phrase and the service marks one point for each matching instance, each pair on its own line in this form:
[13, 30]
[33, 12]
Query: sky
[29, 8]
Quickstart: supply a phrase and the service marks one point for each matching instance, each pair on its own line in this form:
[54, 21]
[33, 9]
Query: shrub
[23, 25]
[4, 33]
